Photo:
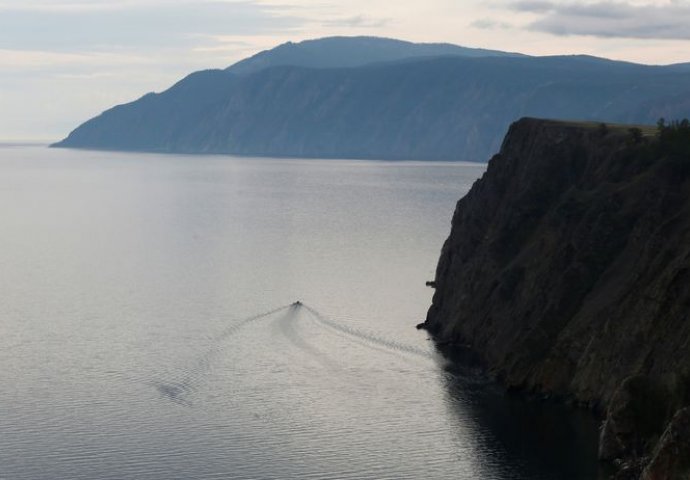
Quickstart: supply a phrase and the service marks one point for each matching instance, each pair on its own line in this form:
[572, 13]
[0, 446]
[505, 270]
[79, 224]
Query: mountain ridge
[340, 51]
[431, 108]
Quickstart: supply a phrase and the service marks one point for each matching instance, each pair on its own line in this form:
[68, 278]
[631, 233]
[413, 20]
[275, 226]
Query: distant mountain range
[366, 97]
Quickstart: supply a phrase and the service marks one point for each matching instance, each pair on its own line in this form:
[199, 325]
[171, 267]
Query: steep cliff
[568, 270]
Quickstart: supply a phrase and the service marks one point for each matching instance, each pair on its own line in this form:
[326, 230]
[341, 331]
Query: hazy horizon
[64, 61]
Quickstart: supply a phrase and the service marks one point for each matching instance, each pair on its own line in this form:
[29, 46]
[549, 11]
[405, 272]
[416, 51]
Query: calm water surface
[131, 348]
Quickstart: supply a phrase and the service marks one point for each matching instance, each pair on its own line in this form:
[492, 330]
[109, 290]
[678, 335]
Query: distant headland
[377, 98]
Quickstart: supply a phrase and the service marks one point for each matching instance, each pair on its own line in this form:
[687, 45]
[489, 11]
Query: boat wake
[180, 388]
[367, 337]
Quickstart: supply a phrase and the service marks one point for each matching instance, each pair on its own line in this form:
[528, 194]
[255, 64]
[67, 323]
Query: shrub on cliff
[674, 147]
[674, 138]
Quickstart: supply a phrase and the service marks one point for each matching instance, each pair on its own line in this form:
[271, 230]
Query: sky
[65, 61]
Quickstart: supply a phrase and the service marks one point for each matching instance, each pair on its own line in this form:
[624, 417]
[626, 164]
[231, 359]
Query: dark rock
[567, 262]
[630, 469]
[671, 457]
[635, 419]
[567, 270]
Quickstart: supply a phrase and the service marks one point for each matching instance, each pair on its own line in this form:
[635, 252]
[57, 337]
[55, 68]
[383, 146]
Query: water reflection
[542, 439]
[132, 345]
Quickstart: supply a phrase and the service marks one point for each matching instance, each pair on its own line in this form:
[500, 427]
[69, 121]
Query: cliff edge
[568, 270]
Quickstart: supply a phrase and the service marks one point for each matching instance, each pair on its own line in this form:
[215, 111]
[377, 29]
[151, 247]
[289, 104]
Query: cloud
[533, 6]
[19, 61]
[608, 19]
[145, 25]
[357, 21]
[489, 24]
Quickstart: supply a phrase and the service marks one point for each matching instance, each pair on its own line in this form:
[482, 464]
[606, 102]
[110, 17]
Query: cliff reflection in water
[541, 437]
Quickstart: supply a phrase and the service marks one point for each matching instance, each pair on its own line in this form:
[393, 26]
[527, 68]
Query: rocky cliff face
[568, 270]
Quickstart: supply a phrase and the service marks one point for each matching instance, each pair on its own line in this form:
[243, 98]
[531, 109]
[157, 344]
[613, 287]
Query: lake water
[131, 346]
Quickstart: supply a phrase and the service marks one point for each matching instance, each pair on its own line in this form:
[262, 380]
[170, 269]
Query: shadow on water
[535, 439]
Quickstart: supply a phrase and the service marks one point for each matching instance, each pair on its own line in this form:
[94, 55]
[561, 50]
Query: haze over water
[131, 347]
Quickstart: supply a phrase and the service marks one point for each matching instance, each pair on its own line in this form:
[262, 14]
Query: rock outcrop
[568, 270]
[671, 458]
